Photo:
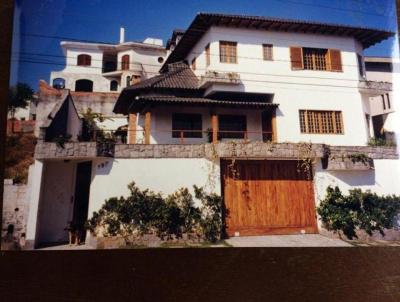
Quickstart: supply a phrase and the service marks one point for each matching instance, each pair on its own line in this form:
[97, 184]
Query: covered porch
[188, 120]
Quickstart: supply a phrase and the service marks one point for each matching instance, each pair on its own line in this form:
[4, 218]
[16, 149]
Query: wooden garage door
[267, 197]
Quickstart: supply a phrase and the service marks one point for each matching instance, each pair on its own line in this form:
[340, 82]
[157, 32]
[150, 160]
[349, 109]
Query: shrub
[144, 212]
[358, 210]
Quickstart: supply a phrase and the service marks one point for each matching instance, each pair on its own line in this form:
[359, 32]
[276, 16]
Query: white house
[266, 112]
[381, 112]
[102, 67]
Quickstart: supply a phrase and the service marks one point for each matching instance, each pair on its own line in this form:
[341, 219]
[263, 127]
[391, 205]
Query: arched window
[114, 85]
[59, 83]
[128, 81]
[125, 62]
[84, 60]
[84, 85]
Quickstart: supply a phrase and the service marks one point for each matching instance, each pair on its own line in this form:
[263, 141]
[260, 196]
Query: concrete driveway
[306, 240]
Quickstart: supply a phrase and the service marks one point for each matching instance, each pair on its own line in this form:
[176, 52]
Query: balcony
[374, 88]
[214, 77]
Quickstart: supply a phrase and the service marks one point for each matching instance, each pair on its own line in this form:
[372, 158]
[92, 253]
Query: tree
[19, 95]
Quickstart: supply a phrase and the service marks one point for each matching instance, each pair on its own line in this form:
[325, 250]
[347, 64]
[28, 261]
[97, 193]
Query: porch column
[273, 126]
[147, 123]
[132, 128]
[214, 127]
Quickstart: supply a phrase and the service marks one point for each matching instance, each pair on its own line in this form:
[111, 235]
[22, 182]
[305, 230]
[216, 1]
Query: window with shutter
[296, 58]
[208, 55]
[267, 52]
[335, 59]
[321, 122]
[125, 62]
[84, 60]
[228, 52]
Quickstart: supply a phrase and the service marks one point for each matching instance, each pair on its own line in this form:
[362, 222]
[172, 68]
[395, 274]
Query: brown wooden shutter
[296, 57]
[335, 60]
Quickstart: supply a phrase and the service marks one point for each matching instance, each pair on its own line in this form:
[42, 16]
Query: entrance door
[267, 197]
[82, 190]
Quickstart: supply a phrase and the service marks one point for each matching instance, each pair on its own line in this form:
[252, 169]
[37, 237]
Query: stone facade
[15, 208]
[47, 150]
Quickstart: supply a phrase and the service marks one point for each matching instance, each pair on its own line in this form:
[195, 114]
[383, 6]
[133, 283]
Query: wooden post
[132, 128]
[273, 126]
[214, 126]
[147, 123]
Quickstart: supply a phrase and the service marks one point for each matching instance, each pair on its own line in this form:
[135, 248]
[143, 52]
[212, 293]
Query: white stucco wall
[384, 179]
[160, 175]
[56, 201]
[293, 89]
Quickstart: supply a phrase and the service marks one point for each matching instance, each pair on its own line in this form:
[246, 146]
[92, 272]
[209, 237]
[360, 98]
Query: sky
[40, 25]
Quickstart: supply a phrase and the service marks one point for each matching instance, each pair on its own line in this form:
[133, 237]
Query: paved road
[307, 240]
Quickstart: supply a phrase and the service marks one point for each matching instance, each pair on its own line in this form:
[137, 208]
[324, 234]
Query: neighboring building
[100, 67]
[381, 117]
[242, 106]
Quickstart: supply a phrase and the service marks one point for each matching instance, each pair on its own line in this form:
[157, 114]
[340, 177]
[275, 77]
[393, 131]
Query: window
[208, 55]
[232, 126]
[128, 81]
[388, 100]
[59, 83]
[33, 117]
[114, 85]
[125, 62]
[84, 60]
[227, 52]
[267, 52]
[324, 122]
[361, 69]
[189, 125]
[383, 101]
[160, 60]
[194, 64]
[315, 58]
[84, 85]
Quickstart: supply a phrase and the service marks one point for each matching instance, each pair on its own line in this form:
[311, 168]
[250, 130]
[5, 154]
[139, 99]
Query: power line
[268, 81]
[333, 8]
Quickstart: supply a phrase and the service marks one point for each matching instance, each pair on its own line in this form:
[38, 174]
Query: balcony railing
[374, 87]
[168, 136]
[214, 77]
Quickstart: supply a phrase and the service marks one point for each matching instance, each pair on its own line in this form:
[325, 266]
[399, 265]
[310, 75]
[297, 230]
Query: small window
[114, 85]
[84, 60]
[84, 85]
[383, 101]
[388, 100]
[22, 119]
[361, 69]
[194, 64]
[267, 52]
[321, 122]
[208, 55]
[59, 83]
[128, 81]
[187, 125]
[160, 60]
[228, 52]
[33, 117]
[125, 62]
[232, 126]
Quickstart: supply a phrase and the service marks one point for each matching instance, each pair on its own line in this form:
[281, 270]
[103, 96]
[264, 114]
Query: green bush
[144, 211]
[358, 211]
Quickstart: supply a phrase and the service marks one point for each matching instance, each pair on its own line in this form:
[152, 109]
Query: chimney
[122, 35]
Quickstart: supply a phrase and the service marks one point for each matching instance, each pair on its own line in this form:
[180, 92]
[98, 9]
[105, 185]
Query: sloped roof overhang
[203, 21]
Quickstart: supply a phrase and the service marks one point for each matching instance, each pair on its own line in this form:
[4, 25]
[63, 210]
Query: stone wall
[46, 150]
[15, 208]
